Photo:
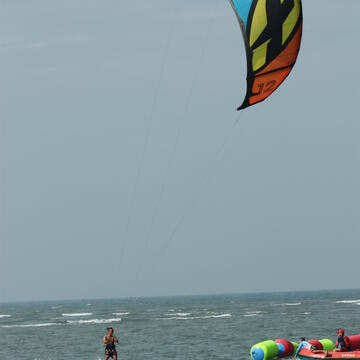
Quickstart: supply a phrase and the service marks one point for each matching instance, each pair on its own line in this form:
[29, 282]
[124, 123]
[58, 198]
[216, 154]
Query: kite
[272, 31]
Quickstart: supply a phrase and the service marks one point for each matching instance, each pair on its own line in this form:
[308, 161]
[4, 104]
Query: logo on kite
[272, 32]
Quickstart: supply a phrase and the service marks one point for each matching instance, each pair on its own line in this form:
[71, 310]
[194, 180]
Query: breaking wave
[288, 304]
[68, 322]
[121, 313]
[5, 316]
[254, 313]
[178, 314]
[348, 302]
[30, 325]
[218, 316]
[94, 321]
[76, 314]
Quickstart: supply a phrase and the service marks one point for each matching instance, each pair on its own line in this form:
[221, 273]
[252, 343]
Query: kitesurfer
[343, 342]
[109, 342]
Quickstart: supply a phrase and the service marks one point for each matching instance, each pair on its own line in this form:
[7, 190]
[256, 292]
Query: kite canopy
[272, 32]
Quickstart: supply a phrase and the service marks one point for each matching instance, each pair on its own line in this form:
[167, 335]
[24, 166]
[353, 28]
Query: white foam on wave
[29, 325]
[94, 321]
[288, 304]
[178, 314]
[70, 322]
[218, 316]
[348, 302]
[254, 313]
[307, 313]
[121, 313]
[5, 316]
[76, 314]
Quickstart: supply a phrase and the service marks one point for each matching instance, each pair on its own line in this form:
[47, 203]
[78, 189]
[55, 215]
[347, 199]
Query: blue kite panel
[242, 8]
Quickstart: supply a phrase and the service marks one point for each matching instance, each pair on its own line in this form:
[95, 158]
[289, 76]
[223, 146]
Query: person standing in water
[109, 343]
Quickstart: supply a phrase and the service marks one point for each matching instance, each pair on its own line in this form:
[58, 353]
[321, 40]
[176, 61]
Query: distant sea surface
[199, 327]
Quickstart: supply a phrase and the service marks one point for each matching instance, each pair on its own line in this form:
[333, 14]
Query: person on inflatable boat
[304, 345]
[343, 342]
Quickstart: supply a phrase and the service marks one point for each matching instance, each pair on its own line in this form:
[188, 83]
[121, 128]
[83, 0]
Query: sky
[125, 169]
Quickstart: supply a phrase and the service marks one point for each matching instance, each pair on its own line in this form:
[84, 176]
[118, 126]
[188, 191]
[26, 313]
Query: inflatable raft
[307, 354]
[353, 354]
[280, 348]
[268, 350]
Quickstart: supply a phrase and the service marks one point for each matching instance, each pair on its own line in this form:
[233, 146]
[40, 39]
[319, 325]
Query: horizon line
[248, 293]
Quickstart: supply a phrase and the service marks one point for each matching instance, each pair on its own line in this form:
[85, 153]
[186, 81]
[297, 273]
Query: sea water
[191, 327]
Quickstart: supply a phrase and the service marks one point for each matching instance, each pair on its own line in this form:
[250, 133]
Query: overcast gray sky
[123, 174]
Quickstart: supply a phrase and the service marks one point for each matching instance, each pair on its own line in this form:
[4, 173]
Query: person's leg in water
[110, 354]
[107, 355]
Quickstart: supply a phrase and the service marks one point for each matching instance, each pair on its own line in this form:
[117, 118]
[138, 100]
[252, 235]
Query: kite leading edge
[272, 32]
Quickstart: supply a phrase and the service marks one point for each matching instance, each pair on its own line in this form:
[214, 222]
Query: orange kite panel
[266, 84]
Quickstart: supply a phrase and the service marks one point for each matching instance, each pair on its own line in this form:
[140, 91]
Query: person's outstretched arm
[298, 349]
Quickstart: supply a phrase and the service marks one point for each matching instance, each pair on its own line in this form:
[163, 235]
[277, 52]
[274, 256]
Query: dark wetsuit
[343, 343]
[110, 349]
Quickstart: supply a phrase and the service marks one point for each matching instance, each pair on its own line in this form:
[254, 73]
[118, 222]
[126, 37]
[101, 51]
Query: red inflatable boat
[353, 354]
[308, 354]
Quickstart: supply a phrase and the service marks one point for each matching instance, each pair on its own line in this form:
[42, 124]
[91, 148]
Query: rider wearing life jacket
[343, 342]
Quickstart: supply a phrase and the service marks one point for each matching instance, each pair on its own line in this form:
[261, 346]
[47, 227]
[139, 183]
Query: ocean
[190, 327]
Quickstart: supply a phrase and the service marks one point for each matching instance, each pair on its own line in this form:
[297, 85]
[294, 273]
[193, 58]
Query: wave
[254, 313]
[307, 313]
[5, 316]
[218, 316]
[94, 321]
[348, 302]
[70, 322]
[288, 304]
[30, 325]
[178, 314]
[121, 313]
[76, 314]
